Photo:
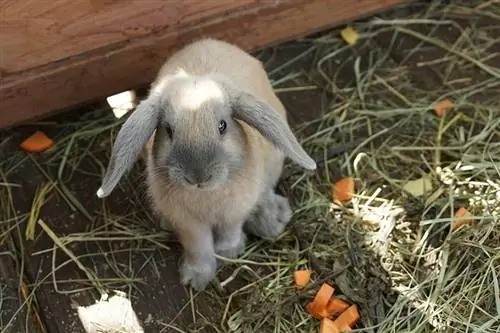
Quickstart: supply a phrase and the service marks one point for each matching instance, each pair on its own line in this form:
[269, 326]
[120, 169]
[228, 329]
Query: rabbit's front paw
[231, 245]
[198, 273]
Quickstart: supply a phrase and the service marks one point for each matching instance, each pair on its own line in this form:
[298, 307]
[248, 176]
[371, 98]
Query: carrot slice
[327, 325]
[315, 311]
[302, 278]
[318, 306]
[37, 143]
[336, 306]
[347, 319]
[442, 107]
[462, 216]
[343, 190]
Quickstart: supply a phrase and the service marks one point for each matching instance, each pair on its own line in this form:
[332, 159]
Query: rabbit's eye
[168, 129]
[222, 126]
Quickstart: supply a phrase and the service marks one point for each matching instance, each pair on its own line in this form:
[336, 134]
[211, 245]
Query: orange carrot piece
[336, 306]
[324, 295]
[316, 312]
[37, 143]
[462, 216]
[343, 190]
[442, 107]
[318, 306]
[347, 319]
[302, 278]
[326, 325]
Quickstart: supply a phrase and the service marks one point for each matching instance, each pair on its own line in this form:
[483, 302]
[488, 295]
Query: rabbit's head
[198, 143]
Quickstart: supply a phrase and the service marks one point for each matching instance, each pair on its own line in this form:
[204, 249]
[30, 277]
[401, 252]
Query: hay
[391, 250]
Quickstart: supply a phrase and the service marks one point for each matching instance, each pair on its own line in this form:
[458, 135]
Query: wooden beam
[40, 33]
[112, 46]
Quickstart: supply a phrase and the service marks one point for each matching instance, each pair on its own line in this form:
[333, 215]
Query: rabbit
[220, 140]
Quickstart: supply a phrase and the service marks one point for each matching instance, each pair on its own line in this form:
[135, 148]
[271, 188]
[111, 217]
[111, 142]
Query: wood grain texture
[35, 34]
[120, 54]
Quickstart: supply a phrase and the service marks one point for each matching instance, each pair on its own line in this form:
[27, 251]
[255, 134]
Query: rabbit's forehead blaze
[194, 95]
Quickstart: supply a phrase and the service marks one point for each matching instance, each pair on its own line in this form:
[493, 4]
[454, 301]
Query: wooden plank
[35, 33]
[101, 72]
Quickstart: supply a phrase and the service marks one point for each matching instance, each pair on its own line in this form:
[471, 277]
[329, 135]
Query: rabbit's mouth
[195, 184]
[200, 186]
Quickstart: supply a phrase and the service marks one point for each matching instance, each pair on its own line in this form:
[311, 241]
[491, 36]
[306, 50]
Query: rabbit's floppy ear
[131, 138]
[267, 121]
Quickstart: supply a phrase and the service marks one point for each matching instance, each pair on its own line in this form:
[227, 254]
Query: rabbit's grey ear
[131, 138]
[268, 122]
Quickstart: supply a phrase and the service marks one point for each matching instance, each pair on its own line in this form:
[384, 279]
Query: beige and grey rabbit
[220, 138]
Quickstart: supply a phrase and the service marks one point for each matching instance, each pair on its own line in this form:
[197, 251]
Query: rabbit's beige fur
[210, 222]
[263, 163]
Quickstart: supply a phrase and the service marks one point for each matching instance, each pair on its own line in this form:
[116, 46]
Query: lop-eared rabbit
[220, 139]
